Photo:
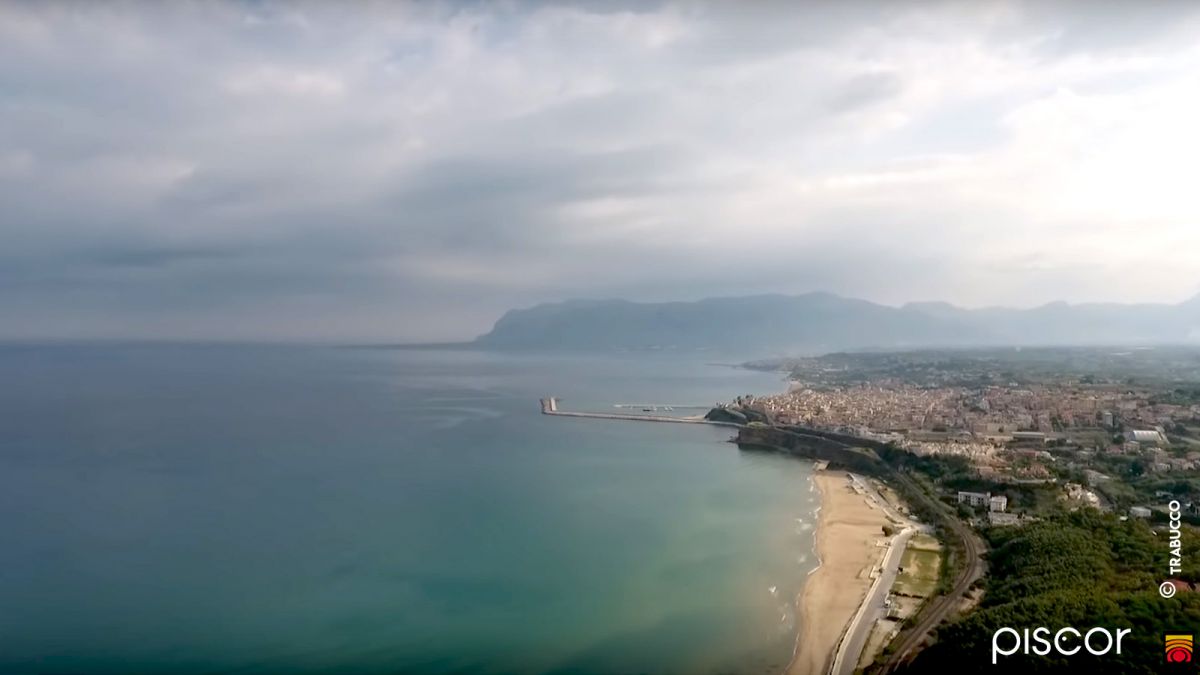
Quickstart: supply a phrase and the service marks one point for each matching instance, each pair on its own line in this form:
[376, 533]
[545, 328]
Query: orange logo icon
[1179, 648]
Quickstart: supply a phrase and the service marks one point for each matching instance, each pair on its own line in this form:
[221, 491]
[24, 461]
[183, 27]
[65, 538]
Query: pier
[550, 407]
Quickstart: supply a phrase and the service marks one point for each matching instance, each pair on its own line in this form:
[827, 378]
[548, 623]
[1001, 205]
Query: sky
[408, 172]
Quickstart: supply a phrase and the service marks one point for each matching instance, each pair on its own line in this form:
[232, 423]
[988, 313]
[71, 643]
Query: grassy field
[919, 565]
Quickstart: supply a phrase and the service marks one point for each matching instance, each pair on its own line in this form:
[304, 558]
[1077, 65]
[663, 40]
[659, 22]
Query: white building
[978, 499]
[1139, 512]
[997, 503]
[974, 498]
[1145, 437]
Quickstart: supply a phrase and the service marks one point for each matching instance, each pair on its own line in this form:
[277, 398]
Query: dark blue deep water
[273, 509]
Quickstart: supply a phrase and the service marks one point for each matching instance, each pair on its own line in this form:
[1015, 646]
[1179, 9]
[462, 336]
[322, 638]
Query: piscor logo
[1179, 648]
[1068, 641]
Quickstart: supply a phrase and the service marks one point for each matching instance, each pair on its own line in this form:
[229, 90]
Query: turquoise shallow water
[267, 509]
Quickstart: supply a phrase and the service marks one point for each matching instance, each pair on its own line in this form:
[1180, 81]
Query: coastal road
[845, 660]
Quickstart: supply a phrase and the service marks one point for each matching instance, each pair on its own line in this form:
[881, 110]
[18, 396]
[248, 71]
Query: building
[1078, 493]
[1139, 512]
[1145, 437]
[998, 503]
[1029, 438]
[974, 498]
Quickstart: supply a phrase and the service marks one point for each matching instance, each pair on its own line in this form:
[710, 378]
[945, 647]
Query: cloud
[273, 81]
[308, 171]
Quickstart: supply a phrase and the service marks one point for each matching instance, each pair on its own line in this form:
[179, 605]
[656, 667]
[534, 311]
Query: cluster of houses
[997, 506]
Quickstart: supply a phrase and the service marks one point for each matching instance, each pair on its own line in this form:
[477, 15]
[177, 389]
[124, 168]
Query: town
[1033, 426]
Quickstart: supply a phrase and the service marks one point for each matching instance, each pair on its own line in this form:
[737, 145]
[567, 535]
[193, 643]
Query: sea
[266, 509]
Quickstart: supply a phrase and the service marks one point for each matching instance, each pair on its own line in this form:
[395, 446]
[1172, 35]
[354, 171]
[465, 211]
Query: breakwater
[550, 407]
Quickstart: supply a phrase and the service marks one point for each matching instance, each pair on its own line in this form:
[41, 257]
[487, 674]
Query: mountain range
[822, 322]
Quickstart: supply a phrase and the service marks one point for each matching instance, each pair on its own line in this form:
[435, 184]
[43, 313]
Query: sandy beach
[849, 529]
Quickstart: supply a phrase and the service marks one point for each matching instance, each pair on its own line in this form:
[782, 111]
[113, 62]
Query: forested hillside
[1081, 569]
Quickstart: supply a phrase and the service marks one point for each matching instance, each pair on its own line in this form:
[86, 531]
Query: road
[845, 660]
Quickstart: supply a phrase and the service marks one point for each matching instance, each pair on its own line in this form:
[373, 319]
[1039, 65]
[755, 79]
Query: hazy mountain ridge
[823, 321]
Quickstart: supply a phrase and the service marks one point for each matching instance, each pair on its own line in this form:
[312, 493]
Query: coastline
[848, 531]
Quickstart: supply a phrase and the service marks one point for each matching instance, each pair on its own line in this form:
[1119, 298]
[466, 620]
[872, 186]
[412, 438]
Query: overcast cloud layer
[389, 172]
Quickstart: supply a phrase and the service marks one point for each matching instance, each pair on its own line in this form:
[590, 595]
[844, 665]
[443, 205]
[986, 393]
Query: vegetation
[1080, 569]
